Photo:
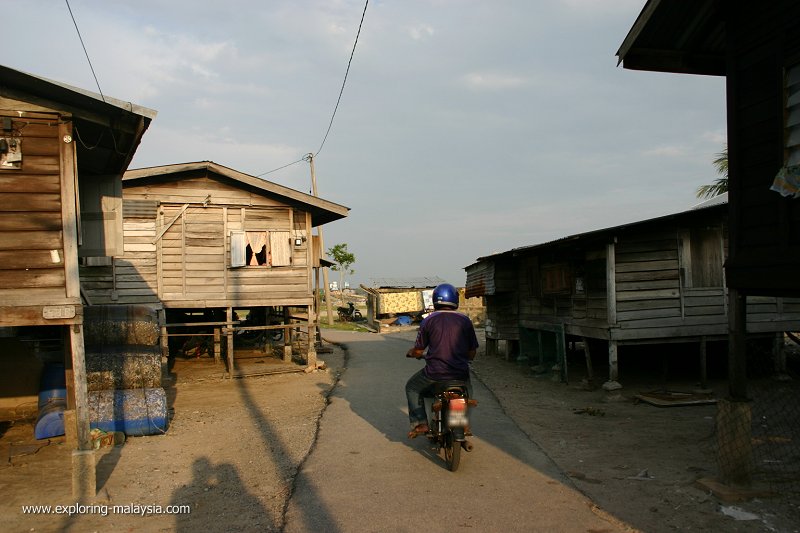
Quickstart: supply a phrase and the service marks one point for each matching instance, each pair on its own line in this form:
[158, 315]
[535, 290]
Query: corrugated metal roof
[406, 283]
[717, 200]
[713, 203]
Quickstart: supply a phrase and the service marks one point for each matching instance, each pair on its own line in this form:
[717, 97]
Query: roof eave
[322, 211]
[685, 49]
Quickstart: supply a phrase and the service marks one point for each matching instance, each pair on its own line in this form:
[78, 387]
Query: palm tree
[720, 185]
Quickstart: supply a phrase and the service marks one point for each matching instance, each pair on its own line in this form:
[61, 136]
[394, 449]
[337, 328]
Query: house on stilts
[652, 282]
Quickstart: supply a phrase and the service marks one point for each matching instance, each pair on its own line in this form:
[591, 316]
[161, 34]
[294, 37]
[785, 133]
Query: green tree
[720, 185]
[343, 259]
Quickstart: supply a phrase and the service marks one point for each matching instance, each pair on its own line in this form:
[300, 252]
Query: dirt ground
[636, 461]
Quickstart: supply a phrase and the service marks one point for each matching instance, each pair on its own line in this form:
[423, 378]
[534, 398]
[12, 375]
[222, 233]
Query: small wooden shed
[201, 236]
[650, 282]
[62, 154]
[388, 298]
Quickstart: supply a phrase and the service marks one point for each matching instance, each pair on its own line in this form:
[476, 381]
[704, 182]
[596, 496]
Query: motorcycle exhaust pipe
[466, 445]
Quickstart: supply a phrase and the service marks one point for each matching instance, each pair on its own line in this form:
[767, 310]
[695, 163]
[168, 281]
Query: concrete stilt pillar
[613, 368]
[84, 478]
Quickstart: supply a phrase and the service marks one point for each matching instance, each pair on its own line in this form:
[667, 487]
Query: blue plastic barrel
[52, 384]
[50, 422]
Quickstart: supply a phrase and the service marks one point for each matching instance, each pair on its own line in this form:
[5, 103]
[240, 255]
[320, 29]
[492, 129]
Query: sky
[465, 128]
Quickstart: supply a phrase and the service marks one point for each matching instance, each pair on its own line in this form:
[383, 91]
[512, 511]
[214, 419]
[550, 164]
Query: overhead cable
[341, 91]
[85, 52]
[345, 78]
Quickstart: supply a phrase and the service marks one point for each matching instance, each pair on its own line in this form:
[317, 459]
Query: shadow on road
[272, 441]
[224, 479]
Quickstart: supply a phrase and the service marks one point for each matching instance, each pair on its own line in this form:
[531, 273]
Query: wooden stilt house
[205, 238]
[757, 48]
[651, 282]
[62, 154]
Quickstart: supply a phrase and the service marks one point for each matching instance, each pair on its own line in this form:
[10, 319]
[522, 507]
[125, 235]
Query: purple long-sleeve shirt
[449, 337]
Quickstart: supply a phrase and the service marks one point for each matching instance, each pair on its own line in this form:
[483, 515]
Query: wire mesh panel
[758, 440]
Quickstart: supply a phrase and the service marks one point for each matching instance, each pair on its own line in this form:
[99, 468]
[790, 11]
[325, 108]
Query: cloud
[591, 7]
[717, 137]
[492, 82]
[666, 151]
[420, 32]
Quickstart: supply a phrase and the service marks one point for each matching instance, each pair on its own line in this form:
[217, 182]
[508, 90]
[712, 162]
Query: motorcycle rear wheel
[452, 452]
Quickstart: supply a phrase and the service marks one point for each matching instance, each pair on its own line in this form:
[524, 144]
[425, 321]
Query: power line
[345, 78]
[281, 168]
[339, 99]
[85, 52]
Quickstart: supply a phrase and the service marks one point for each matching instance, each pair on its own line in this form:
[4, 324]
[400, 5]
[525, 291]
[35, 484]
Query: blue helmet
[445, 295]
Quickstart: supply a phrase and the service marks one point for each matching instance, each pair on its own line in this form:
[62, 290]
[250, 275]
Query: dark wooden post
[589, 369]
[491, 347]
[217, 344]
[737, 346]
[229, 327]
[311, 354]
[703, 363]
[734, 416]
[287, 336]
[779, 355]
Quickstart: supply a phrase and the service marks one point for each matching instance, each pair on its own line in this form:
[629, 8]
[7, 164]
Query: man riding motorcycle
[451, 344]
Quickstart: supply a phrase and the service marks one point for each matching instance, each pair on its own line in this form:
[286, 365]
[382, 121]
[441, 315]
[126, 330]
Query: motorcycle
[349, 313]
[449, 425]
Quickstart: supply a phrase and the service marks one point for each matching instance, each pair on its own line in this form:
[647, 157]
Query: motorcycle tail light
[457, 413]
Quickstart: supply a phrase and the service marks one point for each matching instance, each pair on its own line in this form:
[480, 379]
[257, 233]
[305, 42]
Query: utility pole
[310, 158]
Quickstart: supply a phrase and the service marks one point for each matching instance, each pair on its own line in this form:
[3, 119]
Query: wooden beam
[170, 223]
[69, 210]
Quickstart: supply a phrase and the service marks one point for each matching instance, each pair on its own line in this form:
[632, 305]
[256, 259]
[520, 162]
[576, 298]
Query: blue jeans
[418, 387]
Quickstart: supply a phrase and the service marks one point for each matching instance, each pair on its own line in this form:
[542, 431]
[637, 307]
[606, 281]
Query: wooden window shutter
[238, 248]
[556, 279]
[281, 247]
[101, 216]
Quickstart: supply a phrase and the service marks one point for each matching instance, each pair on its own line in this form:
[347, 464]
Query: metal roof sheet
[406, 283]
[713, 203]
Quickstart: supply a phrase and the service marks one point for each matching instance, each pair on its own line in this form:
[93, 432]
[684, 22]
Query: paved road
[364, 475]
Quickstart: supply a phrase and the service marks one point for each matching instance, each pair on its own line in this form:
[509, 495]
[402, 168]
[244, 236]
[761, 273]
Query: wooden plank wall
[502, 316]
[648, 280]
[32, 257]
[653, 293]
[654, 301]
[192, 253]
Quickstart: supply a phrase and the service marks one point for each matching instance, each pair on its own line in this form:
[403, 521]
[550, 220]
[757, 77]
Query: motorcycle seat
[444, 386]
